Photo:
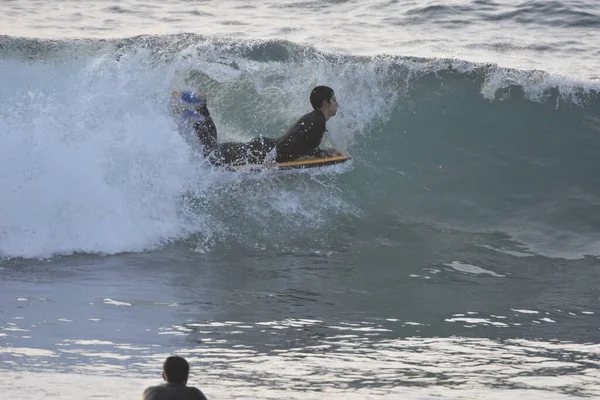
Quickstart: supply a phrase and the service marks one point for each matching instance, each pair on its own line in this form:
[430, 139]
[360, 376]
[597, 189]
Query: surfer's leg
[233, 153]
[206, 130]
[252, 152]
[258, 149]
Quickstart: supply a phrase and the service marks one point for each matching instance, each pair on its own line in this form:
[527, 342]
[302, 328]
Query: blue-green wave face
[92, 160]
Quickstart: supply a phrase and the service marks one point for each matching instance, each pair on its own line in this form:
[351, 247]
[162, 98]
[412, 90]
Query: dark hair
[176, 369]
[319, 95]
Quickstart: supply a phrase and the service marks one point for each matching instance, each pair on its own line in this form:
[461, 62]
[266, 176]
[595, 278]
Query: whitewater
[93, 160]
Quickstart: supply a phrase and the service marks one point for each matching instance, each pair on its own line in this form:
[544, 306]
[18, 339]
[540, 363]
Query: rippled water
[555, 36]
[344, 364]
[301, 327]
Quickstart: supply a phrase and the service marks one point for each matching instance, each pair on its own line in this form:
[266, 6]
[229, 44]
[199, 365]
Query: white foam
[525, 311]
[536, 84]
[91, 160]
[14, 329]
[474, 321]
[553, 242]
[88, 160]
[91, 342]
[505, 251]
[24, 351]
[116, 303]
[471, 269]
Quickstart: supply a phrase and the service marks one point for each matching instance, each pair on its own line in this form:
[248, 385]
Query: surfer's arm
[314, 133]
[207, 124]
[207, 133]
[206, 130]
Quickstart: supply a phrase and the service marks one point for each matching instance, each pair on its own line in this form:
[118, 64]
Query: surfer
[302, 139]
[175, 372]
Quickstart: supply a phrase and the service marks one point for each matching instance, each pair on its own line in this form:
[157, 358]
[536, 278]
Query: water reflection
[353, 358]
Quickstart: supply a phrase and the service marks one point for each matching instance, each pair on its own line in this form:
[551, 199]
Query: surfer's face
[332, 106]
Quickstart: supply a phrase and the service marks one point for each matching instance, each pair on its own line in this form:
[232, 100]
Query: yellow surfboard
[298, 164]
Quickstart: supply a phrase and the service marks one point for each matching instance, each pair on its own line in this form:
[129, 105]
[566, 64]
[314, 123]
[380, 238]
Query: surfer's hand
[332, 153]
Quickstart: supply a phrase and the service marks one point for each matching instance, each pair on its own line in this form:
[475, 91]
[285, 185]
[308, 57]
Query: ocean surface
[456, 257]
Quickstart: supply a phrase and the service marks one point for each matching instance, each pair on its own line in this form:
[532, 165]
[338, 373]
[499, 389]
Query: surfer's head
[323, 98]
[176, 370]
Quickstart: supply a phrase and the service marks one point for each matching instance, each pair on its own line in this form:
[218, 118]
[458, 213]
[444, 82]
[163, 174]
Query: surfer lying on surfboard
[302, 139]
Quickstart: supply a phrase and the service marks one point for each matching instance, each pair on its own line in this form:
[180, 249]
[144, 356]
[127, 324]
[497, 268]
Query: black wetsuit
[172, 391]
[302, 139]
[207, 134]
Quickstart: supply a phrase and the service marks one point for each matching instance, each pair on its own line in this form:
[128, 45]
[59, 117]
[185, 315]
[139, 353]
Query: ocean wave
[93, 162]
